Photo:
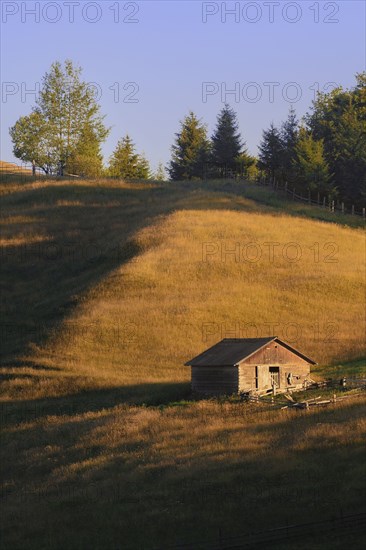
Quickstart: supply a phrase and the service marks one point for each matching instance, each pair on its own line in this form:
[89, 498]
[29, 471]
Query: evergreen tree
[339, 119]
[87, 159]
[226, 142]
[126, 163]
[65, 111]
[160, 173]
[143, 168]
[289, 138]
[246, 166]
[190, 152]
[350, 144]
[123, 162]
[311, 168]
[270, 152]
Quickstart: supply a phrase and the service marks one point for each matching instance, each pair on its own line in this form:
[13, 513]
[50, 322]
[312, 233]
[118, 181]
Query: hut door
[262, 377]
[274, 373]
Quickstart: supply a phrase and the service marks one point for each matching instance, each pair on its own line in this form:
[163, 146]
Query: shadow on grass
[157, 486]
[90, 232]
[160, 393]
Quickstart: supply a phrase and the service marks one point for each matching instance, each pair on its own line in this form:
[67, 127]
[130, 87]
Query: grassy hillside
[109, 289]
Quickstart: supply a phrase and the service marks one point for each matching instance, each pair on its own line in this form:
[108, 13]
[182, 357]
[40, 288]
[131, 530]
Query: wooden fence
[23, 172]
[349, 383]
[314, 199]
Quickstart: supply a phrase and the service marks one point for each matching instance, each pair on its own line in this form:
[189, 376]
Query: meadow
[108, 289]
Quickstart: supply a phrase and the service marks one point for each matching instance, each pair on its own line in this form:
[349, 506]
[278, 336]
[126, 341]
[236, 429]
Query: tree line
[325, 152]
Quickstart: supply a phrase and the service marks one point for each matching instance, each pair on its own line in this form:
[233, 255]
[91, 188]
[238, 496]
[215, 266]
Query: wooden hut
[238, 365]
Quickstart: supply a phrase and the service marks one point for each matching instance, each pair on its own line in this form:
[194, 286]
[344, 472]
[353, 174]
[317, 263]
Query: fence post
[318, 197]
[323, 202]
[353, 209]
[363, 213]
[286, 190]
[332, 206]
[342, 207]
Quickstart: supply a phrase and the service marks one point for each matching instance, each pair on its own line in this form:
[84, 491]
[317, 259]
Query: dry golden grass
[142, 322]
[84, 463]
[136, 477]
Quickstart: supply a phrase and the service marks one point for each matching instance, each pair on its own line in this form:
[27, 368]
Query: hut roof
[231, 351]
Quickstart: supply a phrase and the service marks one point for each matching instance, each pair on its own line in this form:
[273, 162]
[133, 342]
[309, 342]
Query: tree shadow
[182, 492]
[84, 241]
[92, 401]
[86, 232]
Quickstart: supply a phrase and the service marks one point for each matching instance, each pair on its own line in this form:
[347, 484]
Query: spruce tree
[143, 168]
[339, 119]
[226, 142]
[190, 152]
[246, 166]
[86, 159]
[312, 170]
[270, 152]
[126, 163]
[289, 137]
[160, 173]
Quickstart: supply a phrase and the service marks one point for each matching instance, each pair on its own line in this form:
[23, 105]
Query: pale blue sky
[170, 52]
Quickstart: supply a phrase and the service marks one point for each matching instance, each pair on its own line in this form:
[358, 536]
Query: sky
[152, 62]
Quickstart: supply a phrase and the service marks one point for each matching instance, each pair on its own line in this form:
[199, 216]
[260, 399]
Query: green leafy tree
[66, 111]
[126, 163]
[190, 152]
[310, 166]
[270, 152]
[31, 142]
[227, 145]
